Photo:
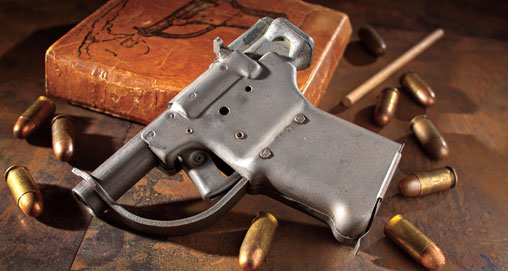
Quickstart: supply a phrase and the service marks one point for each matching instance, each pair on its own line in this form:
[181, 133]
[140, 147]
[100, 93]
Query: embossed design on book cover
[193, 19]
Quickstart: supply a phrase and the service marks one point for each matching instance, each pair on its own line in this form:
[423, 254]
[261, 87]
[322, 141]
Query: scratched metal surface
[468, 74]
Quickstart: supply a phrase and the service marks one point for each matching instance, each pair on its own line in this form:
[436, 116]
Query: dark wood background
[468, 70]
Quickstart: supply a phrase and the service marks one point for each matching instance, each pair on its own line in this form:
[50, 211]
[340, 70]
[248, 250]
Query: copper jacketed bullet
[386, 106]
[427, 182]
[372, 41]
[415, 243]
[257, 241]
[430, 138]
[24, 190]
[32, 118]
[420, 90]
[62, 137]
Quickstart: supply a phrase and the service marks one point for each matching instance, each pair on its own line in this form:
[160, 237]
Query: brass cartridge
[386, 106]
[430, 138]
[427, 182]
[257, 241]
[415, 243]
[24, 190]
[62, 137]
[372, 41]
[32, 118]
[420, 90]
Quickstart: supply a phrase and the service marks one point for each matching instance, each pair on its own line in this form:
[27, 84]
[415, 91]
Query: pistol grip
[329, 168]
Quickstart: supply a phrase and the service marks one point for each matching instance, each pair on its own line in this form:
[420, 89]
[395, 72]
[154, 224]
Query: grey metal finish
[117, 174]
[334, 169]
[169, 227]
[250, 113]
[204, 174]
[279, 36]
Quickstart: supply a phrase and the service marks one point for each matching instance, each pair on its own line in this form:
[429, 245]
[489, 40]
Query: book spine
[106, 89]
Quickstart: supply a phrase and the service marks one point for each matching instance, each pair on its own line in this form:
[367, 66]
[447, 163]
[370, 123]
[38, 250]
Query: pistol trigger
[204, 173]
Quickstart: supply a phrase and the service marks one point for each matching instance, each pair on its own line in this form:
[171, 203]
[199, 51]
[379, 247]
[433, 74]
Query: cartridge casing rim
[406, 74]
[59, 117]
[9, 169]
[394, 89]
[392, 222]
[42, 97]
[416, 118]
[455, 177]
[269, 215]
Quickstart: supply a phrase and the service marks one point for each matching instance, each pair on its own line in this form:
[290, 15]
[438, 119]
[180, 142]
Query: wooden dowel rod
[355, 95]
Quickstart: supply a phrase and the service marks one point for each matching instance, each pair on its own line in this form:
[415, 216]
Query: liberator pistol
[246, 110]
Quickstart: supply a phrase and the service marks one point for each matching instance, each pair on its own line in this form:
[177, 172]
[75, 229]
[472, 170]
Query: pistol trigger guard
[170, 227]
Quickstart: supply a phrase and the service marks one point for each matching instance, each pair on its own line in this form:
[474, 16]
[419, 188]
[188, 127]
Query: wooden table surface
[468, 70]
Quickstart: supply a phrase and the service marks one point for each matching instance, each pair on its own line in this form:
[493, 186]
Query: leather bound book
[131, 57]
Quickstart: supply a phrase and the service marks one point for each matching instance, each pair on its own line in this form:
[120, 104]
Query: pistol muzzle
[117, 174]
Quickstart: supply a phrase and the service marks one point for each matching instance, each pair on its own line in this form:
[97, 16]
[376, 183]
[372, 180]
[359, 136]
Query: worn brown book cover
[130, 57]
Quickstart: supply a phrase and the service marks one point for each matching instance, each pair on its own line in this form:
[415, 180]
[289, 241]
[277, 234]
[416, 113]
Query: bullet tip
[433, 258]
[31, 204]
[438, 148]
[23, 128]
[64, 149]
[428, 101]
[410, 186]
[382, 120]
[251, 257]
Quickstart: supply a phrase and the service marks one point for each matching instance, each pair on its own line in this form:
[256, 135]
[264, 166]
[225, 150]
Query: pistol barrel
[117, 174]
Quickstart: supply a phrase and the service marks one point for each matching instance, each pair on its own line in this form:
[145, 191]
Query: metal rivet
[171, 115]
[189, 131]
[240, 135]
[149, 135]
[193, 95]
[300, 118]
[198, 158]
[265, 153]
